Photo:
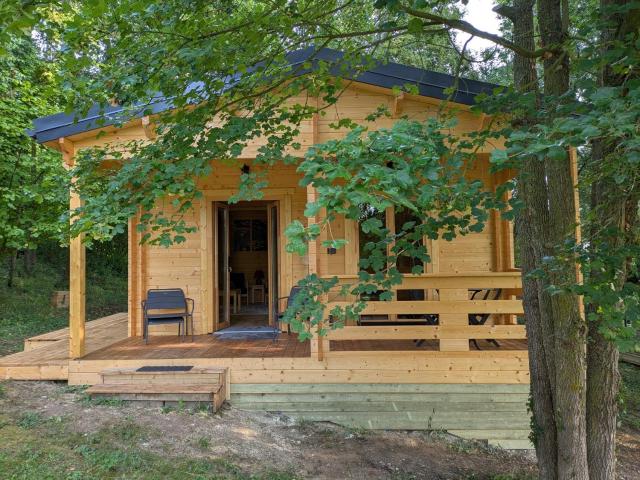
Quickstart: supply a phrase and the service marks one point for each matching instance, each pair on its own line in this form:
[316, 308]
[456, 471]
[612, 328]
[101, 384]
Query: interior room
[248, 259]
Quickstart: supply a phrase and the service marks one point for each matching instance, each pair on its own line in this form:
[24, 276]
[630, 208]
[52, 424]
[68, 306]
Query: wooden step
[163, 375]
[213, 394]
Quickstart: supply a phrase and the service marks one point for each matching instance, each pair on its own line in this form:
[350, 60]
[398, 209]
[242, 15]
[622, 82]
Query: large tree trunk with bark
[614, 213]
[531, 180]
[555, 326]
[568, 325]
[608, 207]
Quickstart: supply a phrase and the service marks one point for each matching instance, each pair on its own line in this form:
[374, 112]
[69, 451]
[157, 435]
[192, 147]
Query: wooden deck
[286, 360]
[46, 357]
[204, 346]
[286, 346]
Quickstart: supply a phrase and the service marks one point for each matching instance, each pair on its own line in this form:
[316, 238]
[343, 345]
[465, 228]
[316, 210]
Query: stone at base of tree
[60, 299]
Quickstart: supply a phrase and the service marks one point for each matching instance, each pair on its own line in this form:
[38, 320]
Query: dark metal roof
[386, 75]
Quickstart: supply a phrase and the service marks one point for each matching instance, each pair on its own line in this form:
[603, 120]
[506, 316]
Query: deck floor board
[50, 360]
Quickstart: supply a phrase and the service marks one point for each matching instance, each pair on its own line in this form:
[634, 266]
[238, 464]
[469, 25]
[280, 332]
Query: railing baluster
[459, 319]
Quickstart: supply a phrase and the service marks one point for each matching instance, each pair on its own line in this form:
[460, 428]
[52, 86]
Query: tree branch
[466, 27]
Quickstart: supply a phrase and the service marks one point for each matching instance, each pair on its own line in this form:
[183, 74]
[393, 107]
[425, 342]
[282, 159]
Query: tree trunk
[569, 329]
[11, 270]
[530, 182]
[543, 429]
[608, 208]
[29, 261]
[555, 327]
[614, 212]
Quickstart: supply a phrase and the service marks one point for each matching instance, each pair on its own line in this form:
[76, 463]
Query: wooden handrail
[437, 307]
[410, 332]
[511, 280]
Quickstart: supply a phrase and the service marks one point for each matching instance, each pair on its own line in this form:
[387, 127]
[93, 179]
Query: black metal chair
[165, 306]
[290, 299]
[481, 318]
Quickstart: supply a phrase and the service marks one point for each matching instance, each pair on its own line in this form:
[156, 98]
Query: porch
[386, 353]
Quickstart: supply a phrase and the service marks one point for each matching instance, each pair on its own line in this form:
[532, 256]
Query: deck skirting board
[495, 413]
[454, 370]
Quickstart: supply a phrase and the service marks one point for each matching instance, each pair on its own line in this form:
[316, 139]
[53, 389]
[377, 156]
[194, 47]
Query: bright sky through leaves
[481, 15]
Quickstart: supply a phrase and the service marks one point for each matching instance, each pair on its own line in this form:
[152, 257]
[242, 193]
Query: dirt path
[255, 443]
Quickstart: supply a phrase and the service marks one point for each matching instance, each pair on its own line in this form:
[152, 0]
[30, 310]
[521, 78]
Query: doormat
[165, 368]
[246, 333]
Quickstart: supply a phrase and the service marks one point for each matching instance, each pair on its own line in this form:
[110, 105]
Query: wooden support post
[149, 128]
[77, 269]
[433, 249]
[132, 283]
[573, 159]
[352, 248]
[315, 130]
[320, 344]
[313, 245]
[315, 347]
[496, 228]
[457, 319]
[397, 105]
[317, 342]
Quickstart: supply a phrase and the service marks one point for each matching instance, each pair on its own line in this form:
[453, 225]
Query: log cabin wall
[188, 265]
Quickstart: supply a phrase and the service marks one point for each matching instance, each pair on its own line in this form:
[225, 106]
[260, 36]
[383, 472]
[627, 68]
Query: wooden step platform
[496, 413]
[170, 385]
[211, 396]
[46, 357]
[102, 328]
[165, 374]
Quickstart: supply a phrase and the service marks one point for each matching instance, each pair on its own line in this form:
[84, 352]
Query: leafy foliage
[32, 195]
[414, 166]
[588, 116]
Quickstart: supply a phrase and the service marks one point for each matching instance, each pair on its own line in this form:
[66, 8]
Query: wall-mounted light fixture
[245, 169]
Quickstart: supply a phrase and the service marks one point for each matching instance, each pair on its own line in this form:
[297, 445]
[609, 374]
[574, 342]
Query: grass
[630, 395]
[26, 310]
[101, 401]
[30, 420]
[50, 449]
[204, 443]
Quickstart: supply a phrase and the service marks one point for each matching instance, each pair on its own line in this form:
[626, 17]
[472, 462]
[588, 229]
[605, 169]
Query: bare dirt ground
[257, 442]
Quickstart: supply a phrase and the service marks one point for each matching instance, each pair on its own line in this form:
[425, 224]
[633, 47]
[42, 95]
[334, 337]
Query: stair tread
[153, 388]
[134, 371]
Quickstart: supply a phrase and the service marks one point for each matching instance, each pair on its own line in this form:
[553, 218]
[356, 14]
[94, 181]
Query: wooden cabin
[367, 375]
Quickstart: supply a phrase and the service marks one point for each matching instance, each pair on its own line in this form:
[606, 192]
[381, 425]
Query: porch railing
[448, 297]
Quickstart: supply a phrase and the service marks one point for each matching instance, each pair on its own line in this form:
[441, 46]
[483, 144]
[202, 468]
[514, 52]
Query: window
[368, 212]
[395, 220]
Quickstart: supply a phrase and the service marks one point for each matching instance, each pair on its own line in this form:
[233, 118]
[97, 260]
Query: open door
[223, 279]
[273, 247]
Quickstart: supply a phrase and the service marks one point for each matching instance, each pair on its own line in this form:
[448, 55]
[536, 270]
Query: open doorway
[246, 264]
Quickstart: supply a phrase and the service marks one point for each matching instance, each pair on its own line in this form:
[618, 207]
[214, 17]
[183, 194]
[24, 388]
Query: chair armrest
[191, 305]
[474, 292]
